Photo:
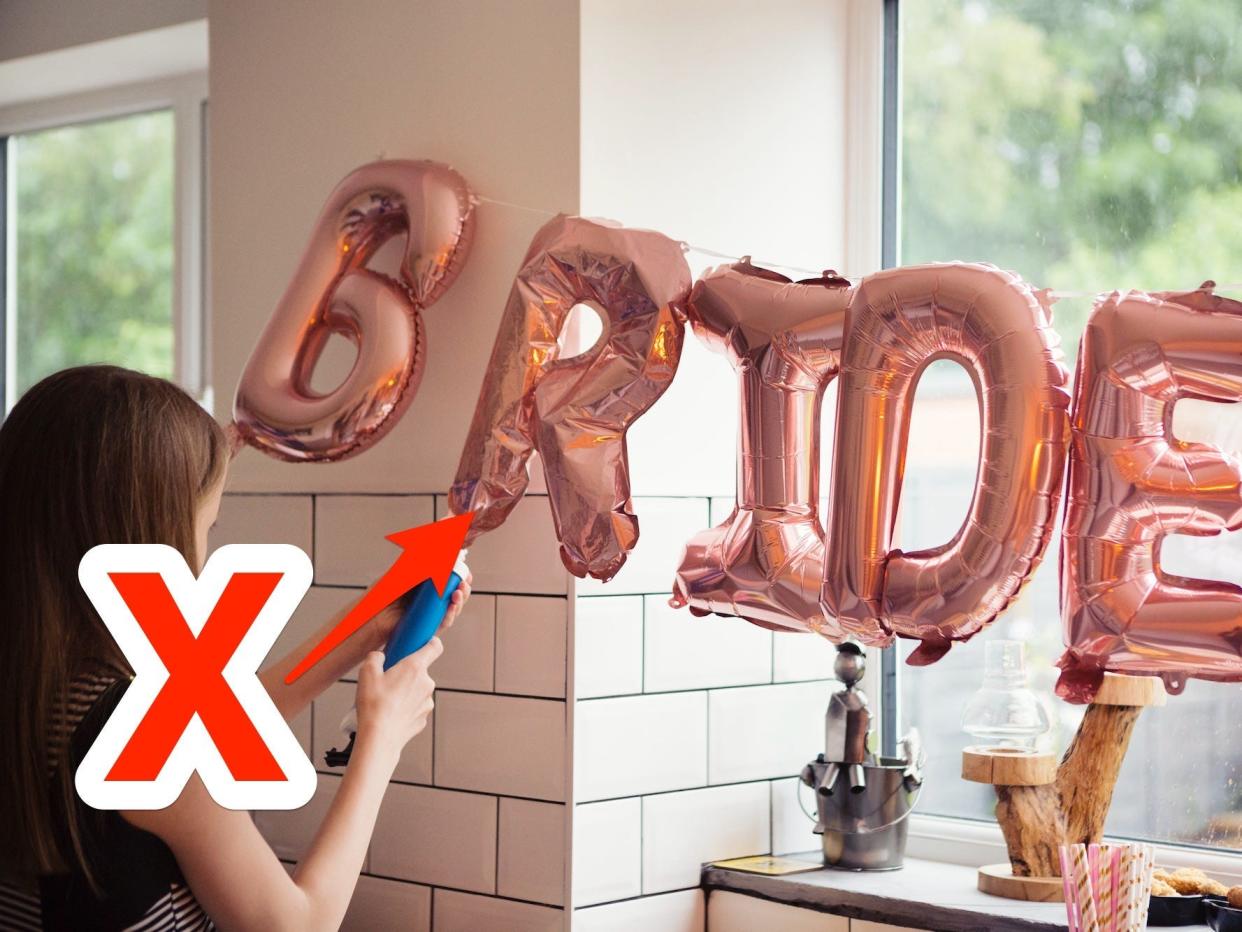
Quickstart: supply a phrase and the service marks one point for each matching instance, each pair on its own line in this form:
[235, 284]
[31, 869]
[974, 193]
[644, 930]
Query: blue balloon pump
[416, 627]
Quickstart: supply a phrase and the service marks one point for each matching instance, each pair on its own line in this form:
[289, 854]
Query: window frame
[185, 95]
[874, 168]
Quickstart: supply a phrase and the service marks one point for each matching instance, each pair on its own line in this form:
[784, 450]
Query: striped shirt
[173, 907]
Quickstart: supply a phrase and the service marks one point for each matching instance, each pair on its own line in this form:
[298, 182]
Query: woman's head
[91, 455]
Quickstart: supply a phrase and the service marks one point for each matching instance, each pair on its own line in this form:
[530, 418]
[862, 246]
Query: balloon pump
[417, 626]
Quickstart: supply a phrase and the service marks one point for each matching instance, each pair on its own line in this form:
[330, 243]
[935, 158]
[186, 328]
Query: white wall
[31, 27]
[474, 828]
[720, 124]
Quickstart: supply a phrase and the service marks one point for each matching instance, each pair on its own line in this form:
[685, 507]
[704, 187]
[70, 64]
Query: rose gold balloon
[333, 292]
[1131, 482]
[765, 562]
[1000, 331]
[576, 411]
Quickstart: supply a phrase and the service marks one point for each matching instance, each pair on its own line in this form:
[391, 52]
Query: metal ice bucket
[864, 828]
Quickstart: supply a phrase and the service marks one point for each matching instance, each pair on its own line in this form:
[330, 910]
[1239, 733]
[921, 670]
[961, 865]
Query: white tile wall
[665, 524]
[531, 861]
[290, 831]
[522, 555]
[639, 744]
[334, 704]
[462, 912]
[608, 646]
[468, 661]
[765, 731]
[501, 744]
[683, 911]
[436, 836]
[531, 634]
[383, 904]
[270, 519]
[607, 851]
[682, 651]
[683, 830]
[791, 827]
[350, 531]
[801, 657]
[319, 606]
[733, 912]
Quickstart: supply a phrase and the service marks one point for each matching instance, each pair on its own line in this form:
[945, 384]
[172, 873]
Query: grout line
[704, 689]
[440, 886]
[768, 778]
[643, 896]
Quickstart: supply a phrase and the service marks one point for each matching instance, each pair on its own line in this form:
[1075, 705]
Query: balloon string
[1055, 294]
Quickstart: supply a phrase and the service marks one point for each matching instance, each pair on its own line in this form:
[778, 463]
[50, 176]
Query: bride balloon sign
[773, 561]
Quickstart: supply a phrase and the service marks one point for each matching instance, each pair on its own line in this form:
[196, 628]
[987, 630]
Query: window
[102, 230]
[1087, 146]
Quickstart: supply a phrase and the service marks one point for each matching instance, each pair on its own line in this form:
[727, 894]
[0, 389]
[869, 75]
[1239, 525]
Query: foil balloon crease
[334, 292]
[764, 563]
[575, 411]
[771, 562]
[1000, 330]
[1131, 481]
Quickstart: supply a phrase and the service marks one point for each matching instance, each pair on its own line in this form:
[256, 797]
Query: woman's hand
[393, 705]
[381, 626]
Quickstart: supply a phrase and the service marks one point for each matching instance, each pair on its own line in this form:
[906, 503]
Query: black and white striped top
[143, 889]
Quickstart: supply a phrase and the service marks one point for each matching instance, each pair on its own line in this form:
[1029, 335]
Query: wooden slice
[1004, 767]
[998, 880]
[1118, 689]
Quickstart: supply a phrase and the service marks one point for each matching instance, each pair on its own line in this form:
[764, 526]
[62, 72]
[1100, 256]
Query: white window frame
[969, 842]
[186, 96]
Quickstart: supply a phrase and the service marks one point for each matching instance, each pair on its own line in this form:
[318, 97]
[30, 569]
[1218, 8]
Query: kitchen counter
[922, 895]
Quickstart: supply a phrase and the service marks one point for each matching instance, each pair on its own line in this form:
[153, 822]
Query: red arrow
[427, 552]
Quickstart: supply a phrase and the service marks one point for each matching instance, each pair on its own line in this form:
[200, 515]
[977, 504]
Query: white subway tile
[531, 632]
[350, 532]
[683, 830]
[501, 744]
[632, 745]
[722, 506]
[520, 556]
[383, 904]
[683, 911]
[290, 831]
[733, 912]
[436, 836]
[263, 519]
[682, 651]
[469, 654]
[801, 657]
[608, 854]
[531, 863]
[462, 912]
[765, 731]
[791, 827]
[319, 606]
[333, 704]
[608, 646]
[665, 524]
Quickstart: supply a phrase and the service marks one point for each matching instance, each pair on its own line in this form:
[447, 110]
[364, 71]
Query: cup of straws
[1107, 887]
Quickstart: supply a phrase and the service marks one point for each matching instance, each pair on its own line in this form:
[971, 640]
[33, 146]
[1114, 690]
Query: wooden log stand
[1042, 805]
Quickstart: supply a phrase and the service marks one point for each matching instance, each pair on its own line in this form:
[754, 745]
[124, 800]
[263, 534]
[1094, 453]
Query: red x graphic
[195, 681]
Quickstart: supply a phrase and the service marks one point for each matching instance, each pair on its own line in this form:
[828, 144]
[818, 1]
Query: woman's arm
[292, 698]
[233, 872]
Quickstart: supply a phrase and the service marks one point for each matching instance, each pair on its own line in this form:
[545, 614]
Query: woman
[96, 455]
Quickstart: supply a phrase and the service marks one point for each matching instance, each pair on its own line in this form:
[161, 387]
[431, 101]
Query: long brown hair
[90, 455]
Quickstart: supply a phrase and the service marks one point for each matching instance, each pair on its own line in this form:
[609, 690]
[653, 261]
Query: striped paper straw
[1067, 885]
[1149, 865]
[1104, 886]
[1082, 888]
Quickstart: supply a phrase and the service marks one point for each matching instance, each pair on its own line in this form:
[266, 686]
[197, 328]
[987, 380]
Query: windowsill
[922, 895]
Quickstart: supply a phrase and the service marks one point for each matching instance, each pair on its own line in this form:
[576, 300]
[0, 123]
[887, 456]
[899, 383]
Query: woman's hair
[90, 455]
